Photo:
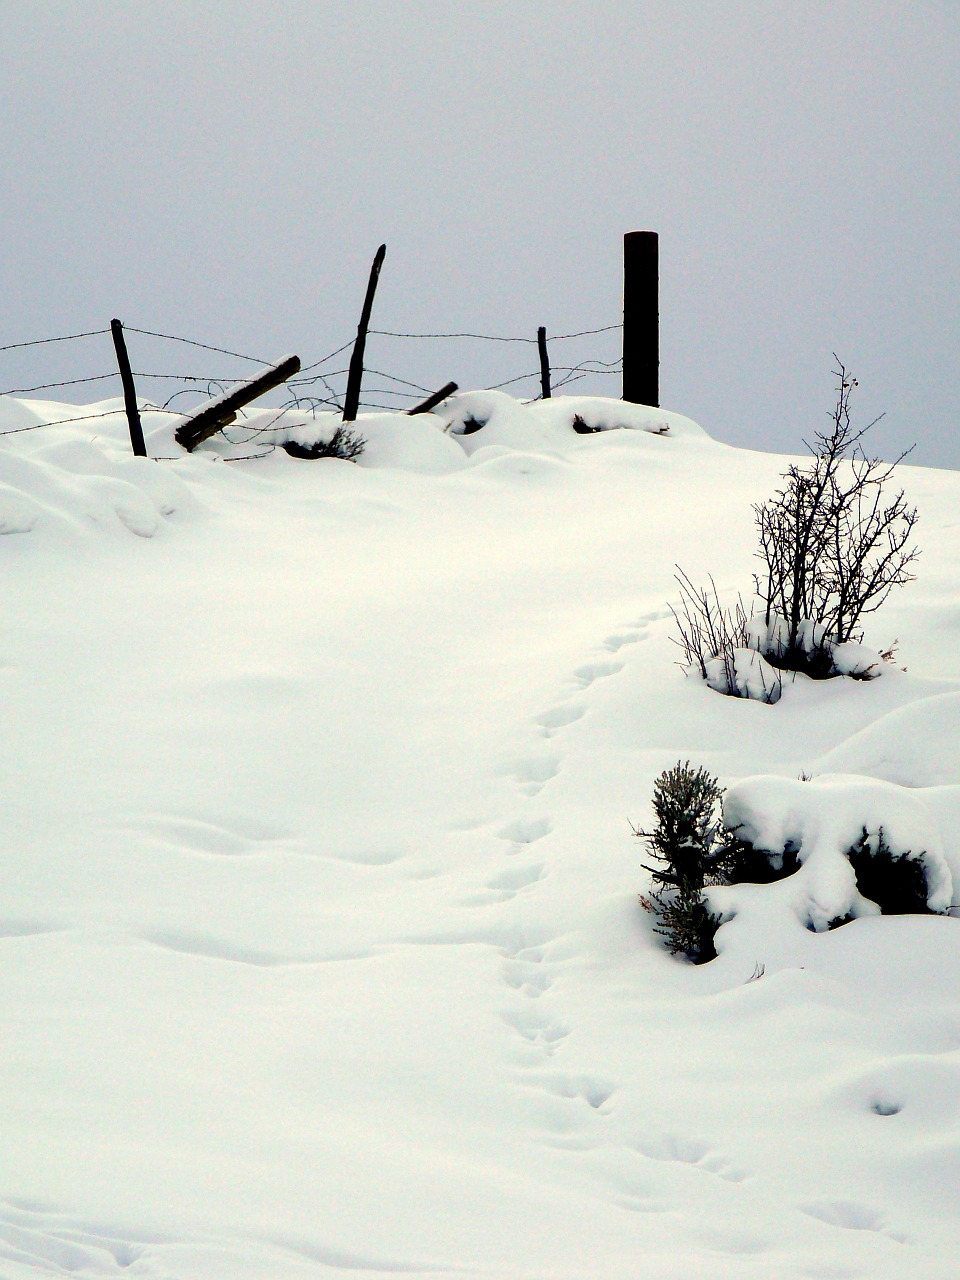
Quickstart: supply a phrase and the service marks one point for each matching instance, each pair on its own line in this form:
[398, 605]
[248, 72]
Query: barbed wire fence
[318, 387]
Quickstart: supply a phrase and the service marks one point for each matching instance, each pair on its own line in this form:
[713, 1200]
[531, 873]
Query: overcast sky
[226, 172]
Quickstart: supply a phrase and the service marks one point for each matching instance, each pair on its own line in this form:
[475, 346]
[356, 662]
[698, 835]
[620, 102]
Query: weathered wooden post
[544, 363]
[222, 410]
[129, 391]
[351, 401]
[641, 318]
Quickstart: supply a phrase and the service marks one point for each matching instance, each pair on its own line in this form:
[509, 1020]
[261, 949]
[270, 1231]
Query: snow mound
[17, 415]
[71, 465]
[479, 419]
[65, 478]
[916, 746]
[745, 673]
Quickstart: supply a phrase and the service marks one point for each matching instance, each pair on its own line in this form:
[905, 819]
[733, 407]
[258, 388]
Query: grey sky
[227, 171]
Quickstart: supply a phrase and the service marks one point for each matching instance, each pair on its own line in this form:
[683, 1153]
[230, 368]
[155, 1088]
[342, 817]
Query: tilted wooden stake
[221, 411]
[431, 402]
[351, 401]
[129, 391]
[544, 363]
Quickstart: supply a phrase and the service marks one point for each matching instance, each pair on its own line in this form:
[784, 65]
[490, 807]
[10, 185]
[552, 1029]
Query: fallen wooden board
[222, 410]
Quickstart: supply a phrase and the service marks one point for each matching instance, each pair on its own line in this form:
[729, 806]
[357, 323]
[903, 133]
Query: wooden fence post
[641, 318]
[351, 401]
[544, 363]
[129, 391]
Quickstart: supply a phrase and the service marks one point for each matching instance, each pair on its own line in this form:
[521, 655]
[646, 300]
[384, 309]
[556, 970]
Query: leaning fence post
[431, 402]
[129, 391]
[641, 318]
[544, 363]
[222, 410]
[351, 401]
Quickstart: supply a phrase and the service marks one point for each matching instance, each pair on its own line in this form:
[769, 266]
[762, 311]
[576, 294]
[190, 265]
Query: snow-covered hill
[320, 948]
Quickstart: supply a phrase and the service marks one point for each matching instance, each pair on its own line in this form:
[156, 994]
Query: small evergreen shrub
[896, 882]
[690, 850]
[344, 443]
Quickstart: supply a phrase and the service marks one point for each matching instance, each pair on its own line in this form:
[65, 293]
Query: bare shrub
[714, 641]
[834, 541]
[707, 630]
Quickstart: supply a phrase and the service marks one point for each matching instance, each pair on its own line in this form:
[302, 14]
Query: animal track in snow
[527, 977]
[526, 830]
[617, 642]
[655, 615]
[669, 1147]
[559, 717]
[533, 773]
[532, 984]
[851, 1216]
[513, 879]
[536, 1028]
[591, 671]
[592, 1090]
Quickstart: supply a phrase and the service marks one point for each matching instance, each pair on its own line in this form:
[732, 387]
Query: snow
[321, 948]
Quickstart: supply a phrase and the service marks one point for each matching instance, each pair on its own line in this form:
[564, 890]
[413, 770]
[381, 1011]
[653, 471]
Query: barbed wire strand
[62, 422]
[50, 386]
[190, 342]
[67, 337]
[584, 333]
[324, 359]
[172, 337]
[482, 337]
[488, 337]
[317, 377]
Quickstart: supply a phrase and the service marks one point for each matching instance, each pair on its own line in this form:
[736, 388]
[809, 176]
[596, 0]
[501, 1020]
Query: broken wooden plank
[222, 410]
[432, 401]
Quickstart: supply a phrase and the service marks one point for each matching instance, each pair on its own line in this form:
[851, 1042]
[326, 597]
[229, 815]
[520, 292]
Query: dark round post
[641, 318]
[129, 391]
[544, 363]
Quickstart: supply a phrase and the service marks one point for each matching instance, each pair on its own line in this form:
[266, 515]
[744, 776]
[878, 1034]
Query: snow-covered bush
[690, 850]
[825, 852]
[345, 443]
[896, 882]
[854, 846]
